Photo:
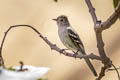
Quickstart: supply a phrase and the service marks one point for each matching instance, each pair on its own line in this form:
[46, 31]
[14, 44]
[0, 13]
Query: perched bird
[71, 39]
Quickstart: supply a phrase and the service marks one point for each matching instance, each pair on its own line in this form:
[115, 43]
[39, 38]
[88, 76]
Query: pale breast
[62, 35]
[66, 40]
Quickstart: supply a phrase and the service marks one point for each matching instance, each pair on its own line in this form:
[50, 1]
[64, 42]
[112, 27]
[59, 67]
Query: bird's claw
[75, 55]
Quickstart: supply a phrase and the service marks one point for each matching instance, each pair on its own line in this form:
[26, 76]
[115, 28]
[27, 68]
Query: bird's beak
[54, 19]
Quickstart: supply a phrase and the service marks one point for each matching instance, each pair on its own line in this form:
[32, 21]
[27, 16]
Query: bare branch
[99, 27]
[112, 19]
[52, 46]
[100, 43]
[91, 56]
[92, 11]
[102, 73]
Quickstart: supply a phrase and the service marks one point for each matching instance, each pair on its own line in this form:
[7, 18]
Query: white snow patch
[33, 73]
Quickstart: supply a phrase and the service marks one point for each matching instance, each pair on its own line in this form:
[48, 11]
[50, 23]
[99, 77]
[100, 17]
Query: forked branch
[99, 26]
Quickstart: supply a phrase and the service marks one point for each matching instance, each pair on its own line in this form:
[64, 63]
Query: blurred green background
[22, 44]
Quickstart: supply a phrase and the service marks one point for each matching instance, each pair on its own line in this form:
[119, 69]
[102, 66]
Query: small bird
[71, 39]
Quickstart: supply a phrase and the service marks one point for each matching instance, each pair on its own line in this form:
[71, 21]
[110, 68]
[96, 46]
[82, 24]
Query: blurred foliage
[115, 3]
[11, 69]
[42, 79]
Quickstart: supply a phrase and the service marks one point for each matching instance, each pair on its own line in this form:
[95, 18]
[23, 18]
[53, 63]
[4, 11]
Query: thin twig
[113, 69]
[116, 71]
[21, 67]
[52, 46]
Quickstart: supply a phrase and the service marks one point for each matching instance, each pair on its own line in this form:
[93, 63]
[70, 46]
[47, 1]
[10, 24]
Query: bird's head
[62, 21]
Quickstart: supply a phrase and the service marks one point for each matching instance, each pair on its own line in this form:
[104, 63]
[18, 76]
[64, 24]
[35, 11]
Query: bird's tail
[91, 66]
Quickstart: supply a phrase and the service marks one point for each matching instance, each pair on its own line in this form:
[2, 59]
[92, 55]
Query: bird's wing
[76, 40]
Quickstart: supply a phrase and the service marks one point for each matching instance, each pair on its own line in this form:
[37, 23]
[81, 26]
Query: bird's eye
[61, 20]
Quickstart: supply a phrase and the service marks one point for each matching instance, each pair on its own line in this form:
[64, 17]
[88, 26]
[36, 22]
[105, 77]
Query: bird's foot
[75, 54]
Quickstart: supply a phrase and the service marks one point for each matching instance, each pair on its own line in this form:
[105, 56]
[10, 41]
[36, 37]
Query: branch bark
[112, 19]
[98, 28]
[51, 45]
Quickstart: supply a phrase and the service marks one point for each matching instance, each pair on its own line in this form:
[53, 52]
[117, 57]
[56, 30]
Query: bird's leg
[63, 50]
[75, 53]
